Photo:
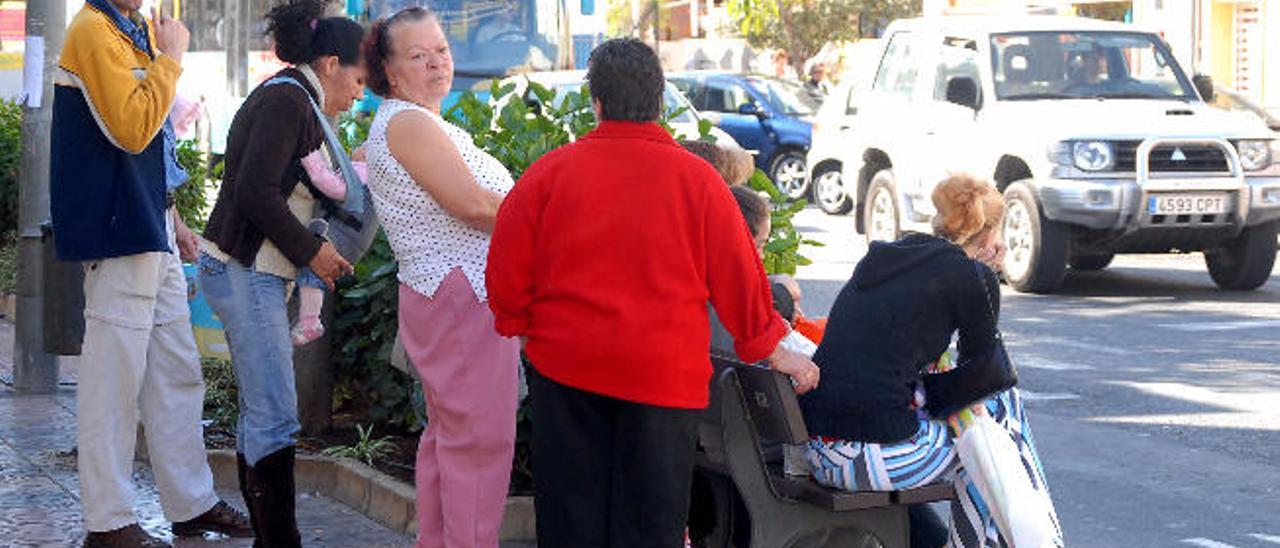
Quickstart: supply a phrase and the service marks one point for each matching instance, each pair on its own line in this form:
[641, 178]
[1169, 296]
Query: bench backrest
[770, 401]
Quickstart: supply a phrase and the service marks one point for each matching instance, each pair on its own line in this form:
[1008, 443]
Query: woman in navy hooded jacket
[896, 316]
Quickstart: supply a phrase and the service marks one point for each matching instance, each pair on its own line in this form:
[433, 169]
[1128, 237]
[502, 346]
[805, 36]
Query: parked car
[833, 127]
[766, 115]
[686, 117]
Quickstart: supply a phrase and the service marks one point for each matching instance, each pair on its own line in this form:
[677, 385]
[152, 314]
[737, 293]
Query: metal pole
[656, 23]
[236, 37]
[36, 371]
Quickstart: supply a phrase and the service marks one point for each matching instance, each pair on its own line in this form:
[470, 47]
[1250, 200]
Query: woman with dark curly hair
[437, 195]
[256, 242]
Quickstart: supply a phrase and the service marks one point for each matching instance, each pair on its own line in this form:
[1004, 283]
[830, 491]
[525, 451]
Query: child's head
[968, 207]
[734, 164]
[786, 283]
[783, 302]
[755, 210]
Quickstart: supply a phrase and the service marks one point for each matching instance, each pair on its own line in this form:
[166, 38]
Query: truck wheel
[1245, 262]
[789, 175]
[829, 192]
[881, 208]
[1091, 262]
[1036, 258]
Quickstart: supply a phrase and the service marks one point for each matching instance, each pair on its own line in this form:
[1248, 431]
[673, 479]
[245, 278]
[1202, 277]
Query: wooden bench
[758, 411]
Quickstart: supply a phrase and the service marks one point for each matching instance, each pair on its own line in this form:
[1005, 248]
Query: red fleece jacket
[605, 256]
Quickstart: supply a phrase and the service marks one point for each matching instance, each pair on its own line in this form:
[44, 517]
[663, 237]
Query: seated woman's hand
[803, 372]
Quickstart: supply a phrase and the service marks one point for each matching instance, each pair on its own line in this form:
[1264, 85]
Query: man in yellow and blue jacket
[113, 169]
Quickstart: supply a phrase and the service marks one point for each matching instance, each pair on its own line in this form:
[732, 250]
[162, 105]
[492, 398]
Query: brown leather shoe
[222, 518]
[129, 536]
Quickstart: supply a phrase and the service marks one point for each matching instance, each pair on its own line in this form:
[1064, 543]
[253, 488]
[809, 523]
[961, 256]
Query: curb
[376, 495]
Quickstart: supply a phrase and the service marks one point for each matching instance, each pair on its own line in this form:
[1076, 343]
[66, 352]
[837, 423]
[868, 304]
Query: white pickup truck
[1099, 140]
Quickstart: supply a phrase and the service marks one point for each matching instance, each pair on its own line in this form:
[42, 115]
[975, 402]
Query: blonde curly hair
[966, 206]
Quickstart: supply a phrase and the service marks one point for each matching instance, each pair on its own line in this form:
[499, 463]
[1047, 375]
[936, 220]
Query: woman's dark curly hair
[377, 46]
[624, 74]
[302, 33]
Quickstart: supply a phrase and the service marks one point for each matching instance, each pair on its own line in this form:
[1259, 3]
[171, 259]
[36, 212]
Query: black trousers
[609, 473]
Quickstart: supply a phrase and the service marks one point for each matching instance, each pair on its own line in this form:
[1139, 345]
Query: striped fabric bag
[1023, 514]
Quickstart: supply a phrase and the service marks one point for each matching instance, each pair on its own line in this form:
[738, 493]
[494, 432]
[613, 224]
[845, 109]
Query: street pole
[656, 37]
[236, 37]
[36, 371]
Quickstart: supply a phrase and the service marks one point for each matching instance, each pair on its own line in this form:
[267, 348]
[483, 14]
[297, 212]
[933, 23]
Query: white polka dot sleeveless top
[429, 242]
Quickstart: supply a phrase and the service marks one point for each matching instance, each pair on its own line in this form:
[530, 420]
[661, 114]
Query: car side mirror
[1204, 86]
[752, 109]
[963, 91]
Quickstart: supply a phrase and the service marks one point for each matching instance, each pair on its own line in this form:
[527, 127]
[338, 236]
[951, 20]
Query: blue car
[766, 115]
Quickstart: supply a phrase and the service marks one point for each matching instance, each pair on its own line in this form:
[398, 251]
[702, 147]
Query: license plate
[1187, 204]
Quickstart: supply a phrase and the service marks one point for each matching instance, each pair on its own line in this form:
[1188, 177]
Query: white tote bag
[1021, 512]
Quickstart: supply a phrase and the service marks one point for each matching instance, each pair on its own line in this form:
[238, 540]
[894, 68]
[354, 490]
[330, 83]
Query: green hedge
[10, 162]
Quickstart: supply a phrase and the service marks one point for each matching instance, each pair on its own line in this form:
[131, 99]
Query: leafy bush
[221, 398]
[782, 252]
[366, 449]
[192, 198]
[353, 129]
[365, 322]
[8, 263]
[10, 162]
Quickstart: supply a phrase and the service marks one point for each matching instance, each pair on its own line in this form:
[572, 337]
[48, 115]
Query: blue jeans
[251, 305]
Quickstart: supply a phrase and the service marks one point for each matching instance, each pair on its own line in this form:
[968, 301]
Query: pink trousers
[469, 377]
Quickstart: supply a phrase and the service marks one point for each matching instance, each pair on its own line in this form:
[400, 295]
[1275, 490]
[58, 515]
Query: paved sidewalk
[40, 492]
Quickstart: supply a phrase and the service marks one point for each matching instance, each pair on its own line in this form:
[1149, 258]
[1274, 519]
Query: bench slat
[809, 491]
[938, 491]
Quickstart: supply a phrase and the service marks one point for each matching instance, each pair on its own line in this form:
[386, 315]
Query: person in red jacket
[603, 259]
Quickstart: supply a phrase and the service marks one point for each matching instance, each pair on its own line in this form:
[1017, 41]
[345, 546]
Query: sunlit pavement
[40, 492]
[1154, 396]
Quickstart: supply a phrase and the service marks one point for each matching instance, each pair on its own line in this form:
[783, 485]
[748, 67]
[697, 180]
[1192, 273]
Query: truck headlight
[1254, 155]
[1093, 155]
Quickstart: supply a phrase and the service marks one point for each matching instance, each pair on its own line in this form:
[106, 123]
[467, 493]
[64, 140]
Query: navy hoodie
[894, 317]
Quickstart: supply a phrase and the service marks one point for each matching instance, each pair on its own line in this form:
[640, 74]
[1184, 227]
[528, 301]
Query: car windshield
[1085, 65]
[672, 101]
[493, 38]
[785, 97]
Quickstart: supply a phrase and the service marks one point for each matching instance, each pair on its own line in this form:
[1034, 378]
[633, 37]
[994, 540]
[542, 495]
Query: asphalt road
[1155, 398]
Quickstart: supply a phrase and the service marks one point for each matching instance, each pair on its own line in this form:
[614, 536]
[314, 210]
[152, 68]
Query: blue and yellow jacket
[107, 173]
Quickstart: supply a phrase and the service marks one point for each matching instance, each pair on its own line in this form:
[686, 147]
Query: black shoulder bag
[973, 381]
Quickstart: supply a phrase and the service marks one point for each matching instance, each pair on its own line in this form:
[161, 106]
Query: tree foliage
[802, 27]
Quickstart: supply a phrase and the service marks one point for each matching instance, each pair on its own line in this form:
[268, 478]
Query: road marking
[1266, 538]
[1093, 347]
[1224, 409]
[1220, 326]
[1207, 543]
[1046, 396]
[1032, 362]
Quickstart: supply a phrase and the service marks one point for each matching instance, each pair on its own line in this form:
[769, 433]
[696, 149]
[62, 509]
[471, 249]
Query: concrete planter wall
[370, 492]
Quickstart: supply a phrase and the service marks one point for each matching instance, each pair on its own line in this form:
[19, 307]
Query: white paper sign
[33, 71]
